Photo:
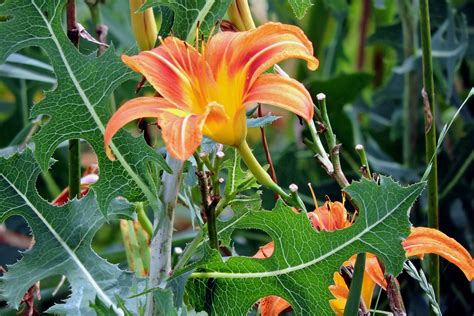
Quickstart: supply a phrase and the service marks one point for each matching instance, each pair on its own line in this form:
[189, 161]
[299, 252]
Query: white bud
[359, 147]
[293, 188]
[321, 96]
[203, 154]
[178, 250]
[220, 154]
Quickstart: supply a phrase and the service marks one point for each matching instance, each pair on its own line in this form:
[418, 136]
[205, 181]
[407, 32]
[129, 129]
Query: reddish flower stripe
[134, 109]
[423, 240]
[182, 135]
[282, 92]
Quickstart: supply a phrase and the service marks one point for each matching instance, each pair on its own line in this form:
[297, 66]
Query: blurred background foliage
[370, 71]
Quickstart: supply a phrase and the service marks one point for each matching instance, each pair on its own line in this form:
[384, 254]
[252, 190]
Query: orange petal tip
[424, 240]
[313, 65]
[109, 153]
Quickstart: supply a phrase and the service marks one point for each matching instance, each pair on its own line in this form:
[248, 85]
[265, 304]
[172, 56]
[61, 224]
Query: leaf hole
[252, 242]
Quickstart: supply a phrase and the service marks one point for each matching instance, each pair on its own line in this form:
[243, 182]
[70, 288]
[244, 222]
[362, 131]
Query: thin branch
[430, 138]
[267, 151]
[74, 163]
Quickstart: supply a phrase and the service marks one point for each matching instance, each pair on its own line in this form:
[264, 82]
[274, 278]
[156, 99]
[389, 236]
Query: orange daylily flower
[205, 93]
[333, 216]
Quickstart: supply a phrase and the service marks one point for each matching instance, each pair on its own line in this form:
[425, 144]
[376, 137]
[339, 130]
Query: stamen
[170, 53]
[212, 32]
[314, 195]
[203, 45]
[196, 42]
[178, 49]
[330, 216]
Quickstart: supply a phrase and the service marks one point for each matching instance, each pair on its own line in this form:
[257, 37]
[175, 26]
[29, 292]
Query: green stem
[190, 249]
[337, 173]
[254, 166]
[410, 93]
[321, 152]
[74, 169]
[430, 139]
[212, 229]
[461, 172]
[74, 162]
[24, 102]
[353, 301]
[364, 161]
[264, 178]
[51, 185]
[143, 219]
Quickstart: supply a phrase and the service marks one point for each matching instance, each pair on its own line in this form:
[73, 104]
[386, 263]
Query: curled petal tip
[424, 240]
[313, 64]
[130, 62]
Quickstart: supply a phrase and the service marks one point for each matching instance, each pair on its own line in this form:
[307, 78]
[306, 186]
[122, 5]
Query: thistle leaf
[63, 237]
[304, 260]
[79, 106]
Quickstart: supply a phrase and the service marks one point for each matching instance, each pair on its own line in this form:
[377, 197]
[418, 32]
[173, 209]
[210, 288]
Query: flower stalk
[259, 173]
[336, 173]
[160, 266]
[365, 168]
[355, 290]
[74, 163]
[264, 178]
[430, 138]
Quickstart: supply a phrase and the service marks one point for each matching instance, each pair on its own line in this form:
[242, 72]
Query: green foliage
[303, 262]
[300, 7]
[79, 106]
[238, 180]
[364, 105]
[63, 238]
[191, 14]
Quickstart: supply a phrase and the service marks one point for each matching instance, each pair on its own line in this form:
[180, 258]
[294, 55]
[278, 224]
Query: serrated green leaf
[165, 302]
[262, 121]
[241, 207]
[78, 107]
[63, 237]
[300, 7]
[189, 14]
[304, 260]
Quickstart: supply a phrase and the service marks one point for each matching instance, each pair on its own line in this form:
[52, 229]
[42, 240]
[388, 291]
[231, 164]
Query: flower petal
[265, 251]
[176, 71]
[273, 305]
[135, 109]
[423, 240]
[285, 93]
[255, 51]
[374, 271]
[182, 135]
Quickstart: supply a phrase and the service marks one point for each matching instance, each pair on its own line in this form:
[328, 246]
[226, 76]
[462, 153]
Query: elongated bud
[143, 25]
[240, 16]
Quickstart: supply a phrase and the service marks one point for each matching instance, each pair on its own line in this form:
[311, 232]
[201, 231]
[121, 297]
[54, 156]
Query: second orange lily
[205, 92]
